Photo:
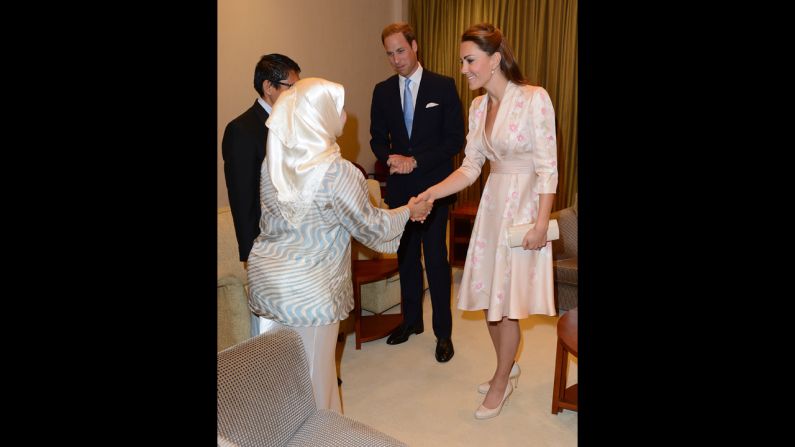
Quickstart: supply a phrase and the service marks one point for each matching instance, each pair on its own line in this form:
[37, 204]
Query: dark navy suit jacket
[437, 134]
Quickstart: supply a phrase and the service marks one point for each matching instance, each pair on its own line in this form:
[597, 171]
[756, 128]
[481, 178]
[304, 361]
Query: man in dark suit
[243, 147]
[417, 129]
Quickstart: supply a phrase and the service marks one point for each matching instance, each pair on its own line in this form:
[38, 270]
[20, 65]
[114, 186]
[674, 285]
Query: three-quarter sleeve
[473, 157]
[545, 153]
[377, 228]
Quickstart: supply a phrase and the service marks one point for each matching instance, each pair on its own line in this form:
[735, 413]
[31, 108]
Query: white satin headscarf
[302, 142]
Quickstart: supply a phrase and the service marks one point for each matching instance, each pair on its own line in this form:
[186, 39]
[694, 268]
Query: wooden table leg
[560, 371]
[357, 314]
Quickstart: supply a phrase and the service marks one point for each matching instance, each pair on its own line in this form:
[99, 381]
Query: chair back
[264, 393]
[374, 192]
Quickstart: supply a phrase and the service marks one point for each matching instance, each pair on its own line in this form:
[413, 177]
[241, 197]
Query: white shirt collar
[268, 107]
[415, 78]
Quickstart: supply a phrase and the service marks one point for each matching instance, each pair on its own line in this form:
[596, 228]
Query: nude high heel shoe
[488, 413]
[483, 388]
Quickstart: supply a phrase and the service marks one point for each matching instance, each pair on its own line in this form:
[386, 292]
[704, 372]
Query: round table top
[567, 330]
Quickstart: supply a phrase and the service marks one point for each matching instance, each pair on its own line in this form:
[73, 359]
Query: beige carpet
[431, 404]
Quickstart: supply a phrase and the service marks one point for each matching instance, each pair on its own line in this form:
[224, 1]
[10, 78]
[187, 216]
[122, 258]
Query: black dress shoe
[402, 332]
[444, 349]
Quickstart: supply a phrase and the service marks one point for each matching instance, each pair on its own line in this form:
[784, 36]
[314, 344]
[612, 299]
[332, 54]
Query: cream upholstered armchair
[234, 317]
[564, 254]
[264, 398]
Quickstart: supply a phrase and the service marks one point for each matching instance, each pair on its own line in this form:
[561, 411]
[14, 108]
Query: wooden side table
[462, 219]
[373, 327]
[562, 397]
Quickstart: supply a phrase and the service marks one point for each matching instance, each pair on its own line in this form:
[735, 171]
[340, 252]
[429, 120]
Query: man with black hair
[243, 147]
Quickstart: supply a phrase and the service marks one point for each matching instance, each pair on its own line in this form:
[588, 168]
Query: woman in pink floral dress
[513, 126]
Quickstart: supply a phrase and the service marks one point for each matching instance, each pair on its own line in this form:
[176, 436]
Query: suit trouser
[431, 236]
[320, 345]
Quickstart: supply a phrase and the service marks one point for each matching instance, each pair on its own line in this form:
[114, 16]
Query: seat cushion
[328, 428]
[566, 271]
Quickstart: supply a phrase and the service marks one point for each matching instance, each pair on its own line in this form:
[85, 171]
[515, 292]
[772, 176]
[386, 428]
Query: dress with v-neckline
[509, 282]
[487, 138]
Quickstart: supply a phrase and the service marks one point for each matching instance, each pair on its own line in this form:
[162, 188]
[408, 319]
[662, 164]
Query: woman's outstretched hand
[425, 195]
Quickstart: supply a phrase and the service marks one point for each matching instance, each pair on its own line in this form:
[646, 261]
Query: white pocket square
[430, 104]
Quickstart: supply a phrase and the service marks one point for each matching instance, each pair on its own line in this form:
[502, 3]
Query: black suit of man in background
[243, 147]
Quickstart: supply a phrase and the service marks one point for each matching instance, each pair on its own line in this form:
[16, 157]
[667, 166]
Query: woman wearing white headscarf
[313, 201]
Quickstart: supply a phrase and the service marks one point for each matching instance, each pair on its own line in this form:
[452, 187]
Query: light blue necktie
[408, 107]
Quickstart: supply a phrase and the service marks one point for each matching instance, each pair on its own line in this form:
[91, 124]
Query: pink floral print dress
[522, 152]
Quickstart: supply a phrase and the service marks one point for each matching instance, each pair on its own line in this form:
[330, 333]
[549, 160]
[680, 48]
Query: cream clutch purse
[516, 233]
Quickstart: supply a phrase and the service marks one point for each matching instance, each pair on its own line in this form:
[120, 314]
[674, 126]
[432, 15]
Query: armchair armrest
[566, 246]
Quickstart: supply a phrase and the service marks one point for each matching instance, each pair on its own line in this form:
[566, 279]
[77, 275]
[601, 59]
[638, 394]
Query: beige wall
[339, 40]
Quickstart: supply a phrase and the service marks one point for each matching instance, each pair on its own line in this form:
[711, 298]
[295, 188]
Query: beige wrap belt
[512, 167]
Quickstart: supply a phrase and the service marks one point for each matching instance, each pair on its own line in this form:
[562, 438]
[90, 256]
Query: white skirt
[320, 345]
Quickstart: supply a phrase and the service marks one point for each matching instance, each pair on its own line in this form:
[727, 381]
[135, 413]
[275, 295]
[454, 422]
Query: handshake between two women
[420, 209]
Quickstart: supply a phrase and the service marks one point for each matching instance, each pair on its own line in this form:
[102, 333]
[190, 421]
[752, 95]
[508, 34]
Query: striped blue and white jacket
[301, 276]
